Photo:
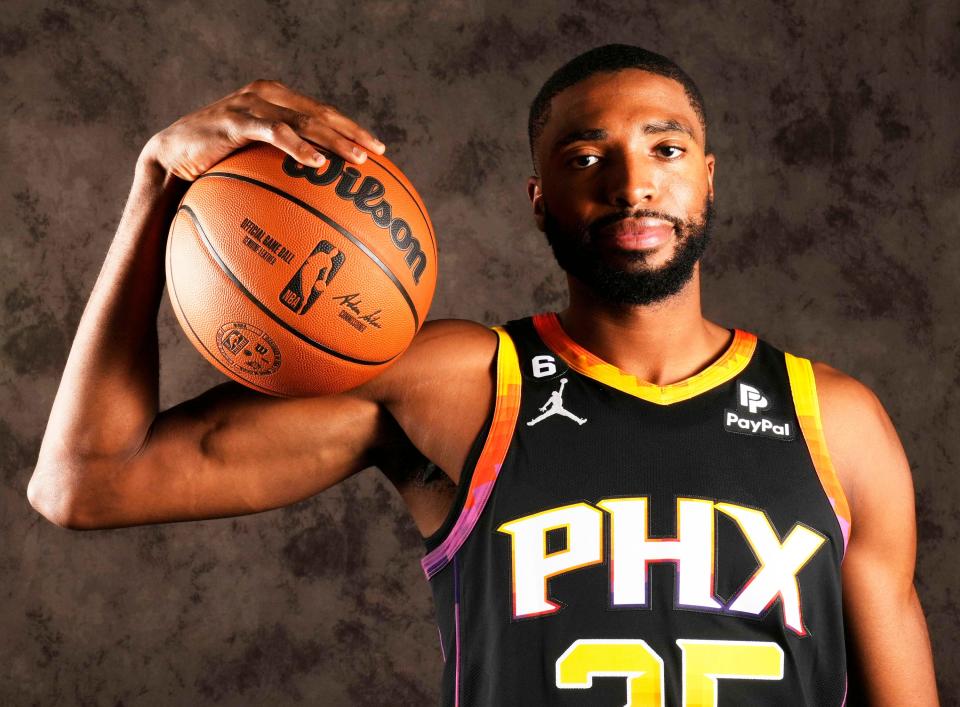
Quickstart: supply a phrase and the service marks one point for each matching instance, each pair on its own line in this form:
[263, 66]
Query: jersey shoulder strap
[484, 474]
[536, 360]
[803, 388]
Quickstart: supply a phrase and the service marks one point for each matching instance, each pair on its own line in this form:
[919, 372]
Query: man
[678, 534]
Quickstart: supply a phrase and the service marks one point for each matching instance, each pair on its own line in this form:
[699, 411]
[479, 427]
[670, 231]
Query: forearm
[108, 394]
[107, 454]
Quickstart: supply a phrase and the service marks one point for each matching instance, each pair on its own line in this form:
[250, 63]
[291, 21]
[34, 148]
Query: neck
[660, 343]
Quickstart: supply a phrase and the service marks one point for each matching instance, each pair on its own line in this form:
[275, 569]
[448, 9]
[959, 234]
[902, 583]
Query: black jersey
[615, 542]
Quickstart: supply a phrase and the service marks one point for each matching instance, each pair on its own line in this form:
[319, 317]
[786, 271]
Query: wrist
[150, 173]
[148, 161]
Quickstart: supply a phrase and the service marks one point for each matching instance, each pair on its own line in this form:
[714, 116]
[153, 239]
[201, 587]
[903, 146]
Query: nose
[632, 182]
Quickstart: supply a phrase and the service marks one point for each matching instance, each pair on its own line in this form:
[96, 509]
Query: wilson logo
[367, 197]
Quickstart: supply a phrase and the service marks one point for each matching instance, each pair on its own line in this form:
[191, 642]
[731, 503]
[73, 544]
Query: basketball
[296, 280]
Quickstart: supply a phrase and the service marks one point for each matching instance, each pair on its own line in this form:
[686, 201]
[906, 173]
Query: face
[625, 192]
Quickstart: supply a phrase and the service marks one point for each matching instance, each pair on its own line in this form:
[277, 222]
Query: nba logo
[317, 271]
[233, 341]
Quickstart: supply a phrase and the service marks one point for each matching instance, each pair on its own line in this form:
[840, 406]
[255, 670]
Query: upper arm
[233, 451]
[873, 470]
[881, 607]
[442, 395]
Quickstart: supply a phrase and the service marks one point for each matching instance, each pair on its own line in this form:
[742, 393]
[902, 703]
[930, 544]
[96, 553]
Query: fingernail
[320, 159]
[357, 151]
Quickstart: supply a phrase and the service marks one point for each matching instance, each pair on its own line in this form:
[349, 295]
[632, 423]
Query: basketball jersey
[614, 542]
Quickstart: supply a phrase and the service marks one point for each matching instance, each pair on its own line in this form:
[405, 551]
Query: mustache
[617, 216]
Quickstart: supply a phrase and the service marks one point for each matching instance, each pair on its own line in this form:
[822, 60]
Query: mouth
[636, 233]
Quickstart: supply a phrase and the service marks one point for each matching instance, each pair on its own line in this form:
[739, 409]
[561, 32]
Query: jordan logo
[308, 283]
[554, 406]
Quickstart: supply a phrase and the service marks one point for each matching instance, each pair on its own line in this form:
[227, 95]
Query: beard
[577, 253]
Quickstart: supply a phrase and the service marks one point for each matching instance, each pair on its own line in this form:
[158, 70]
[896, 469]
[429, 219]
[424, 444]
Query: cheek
[684, 193]
[565, 201]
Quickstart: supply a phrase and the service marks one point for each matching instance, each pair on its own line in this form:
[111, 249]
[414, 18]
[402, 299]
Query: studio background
[835, 130]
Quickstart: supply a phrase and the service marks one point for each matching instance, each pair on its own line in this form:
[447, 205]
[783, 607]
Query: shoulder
[460, 334]
[844, 398]
[441, 389]
[860, 437]
[442, 349]
[847, 405]
[466, 339]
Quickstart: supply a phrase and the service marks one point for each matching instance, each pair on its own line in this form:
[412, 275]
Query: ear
[711, 162]
[536, 199]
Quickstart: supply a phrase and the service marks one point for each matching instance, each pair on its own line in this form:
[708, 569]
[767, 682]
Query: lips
[637, 234]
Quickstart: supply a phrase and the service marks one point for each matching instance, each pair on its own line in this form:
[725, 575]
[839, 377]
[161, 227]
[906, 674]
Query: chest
[624, 494]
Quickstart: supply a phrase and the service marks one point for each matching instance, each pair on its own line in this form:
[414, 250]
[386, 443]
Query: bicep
[231, 451]
[881, 607]
[873, 468]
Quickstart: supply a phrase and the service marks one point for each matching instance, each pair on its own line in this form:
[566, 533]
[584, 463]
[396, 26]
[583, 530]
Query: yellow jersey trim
[730, 364]
[505, 413]
[803, 386]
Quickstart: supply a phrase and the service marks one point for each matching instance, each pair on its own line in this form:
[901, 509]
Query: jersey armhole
[499, 434]
[803, 387]
[466, 476]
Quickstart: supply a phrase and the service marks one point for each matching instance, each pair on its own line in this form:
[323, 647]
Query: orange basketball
[298, 281]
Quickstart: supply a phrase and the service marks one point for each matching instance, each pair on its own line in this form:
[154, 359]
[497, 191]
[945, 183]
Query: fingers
[313, 120]
[353, 132]
[335, 140]
[278, 132]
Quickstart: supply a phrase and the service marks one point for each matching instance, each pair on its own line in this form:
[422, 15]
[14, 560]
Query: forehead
[621, 99]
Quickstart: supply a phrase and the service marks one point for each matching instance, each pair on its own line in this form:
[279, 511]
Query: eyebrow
[596, 134]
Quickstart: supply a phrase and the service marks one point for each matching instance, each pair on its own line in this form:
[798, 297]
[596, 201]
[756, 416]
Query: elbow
[43, 501]
[51, 496]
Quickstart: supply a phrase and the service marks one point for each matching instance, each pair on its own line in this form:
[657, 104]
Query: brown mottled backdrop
[835, 126]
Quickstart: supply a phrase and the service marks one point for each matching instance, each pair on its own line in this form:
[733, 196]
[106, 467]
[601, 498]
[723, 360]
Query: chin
[637, 261]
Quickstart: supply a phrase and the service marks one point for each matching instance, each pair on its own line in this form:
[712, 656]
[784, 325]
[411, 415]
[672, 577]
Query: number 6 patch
[544, 367]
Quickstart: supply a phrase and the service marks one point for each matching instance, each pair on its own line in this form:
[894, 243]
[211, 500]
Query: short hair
[609, 58]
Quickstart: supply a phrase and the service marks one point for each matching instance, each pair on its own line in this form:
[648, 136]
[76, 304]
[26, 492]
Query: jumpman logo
[554, 406]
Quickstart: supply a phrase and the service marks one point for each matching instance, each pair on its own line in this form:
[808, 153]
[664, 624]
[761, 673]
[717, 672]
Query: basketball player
[634, 505]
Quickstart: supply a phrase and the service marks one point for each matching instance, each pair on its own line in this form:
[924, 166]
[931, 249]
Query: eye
[663, 148]
[579, 161]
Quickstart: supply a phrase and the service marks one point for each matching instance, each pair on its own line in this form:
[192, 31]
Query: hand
[263, 110]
